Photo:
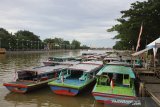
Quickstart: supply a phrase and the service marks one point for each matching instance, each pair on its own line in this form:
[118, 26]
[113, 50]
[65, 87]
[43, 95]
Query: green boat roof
[117, 69]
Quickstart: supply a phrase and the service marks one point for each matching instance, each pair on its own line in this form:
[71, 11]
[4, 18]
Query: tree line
[26, 40]
[147, 14]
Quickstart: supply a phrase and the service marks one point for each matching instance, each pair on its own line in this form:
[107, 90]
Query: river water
[13, 61]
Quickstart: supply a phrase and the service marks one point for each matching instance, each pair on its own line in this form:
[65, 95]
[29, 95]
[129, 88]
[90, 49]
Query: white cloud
[84, 20]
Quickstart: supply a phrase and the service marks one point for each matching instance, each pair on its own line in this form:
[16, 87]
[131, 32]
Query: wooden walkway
[154, 91]
[150, 79]
[151, 82]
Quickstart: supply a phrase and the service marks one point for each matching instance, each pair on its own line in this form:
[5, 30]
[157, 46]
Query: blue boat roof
[117, 69]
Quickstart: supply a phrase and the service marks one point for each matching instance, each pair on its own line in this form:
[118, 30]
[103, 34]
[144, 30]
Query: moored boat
[34, 78]
[115, 86]
[74, 79]
[52, 61]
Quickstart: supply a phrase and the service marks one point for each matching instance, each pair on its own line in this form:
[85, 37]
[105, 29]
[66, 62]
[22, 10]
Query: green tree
[27, 39]
[5, 38]
[66, 44]
[146, 12]
[84, 47]
[75, 44]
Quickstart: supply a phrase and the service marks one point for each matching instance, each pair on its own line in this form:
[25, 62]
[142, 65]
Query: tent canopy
[153, 45]
[140, 52]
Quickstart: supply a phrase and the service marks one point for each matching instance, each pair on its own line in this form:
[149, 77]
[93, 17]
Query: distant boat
[2, 50]
[75, 78]
[34, 78]
[52, 61]
[115, 86]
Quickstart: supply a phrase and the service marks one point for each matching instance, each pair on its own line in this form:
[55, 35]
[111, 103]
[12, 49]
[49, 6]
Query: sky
[83, 20]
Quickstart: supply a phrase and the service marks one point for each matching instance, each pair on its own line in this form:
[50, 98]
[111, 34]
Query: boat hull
[24, 88]
[64, 90]
[17, 88]
[118, 100]
[49, 63]
[72, 91]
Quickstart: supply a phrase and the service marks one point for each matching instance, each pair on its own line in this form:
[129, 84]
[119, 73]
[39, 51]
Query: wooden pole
[141, 89]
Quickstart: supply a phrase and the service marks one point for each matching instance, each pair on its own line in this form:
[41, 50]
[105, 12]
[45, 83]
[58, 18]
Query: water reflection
[46, 98]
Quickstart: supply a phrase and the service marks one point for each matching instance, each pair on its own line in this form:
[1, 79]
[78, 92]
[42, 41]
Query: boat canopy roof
[63, 58]
[70, 62]
[93, 62]
[84, 67]
[112, 58]
[117, 69]
[119, 63]
[45, 69]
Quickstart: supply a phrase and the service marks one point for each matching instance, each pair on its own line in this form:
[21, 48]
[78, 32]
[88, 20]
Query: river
[13, 61]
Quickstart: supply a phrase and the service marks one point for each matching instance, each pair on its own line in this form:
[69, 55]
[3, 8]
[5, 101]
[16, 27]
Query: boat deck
[117, 90]
[75, 82]
[72, 83]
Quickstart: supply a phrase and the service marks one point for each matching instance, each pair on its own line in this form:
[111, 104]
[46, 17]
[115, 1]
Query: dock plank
[154, 91]
[149, 79]
[154, 88]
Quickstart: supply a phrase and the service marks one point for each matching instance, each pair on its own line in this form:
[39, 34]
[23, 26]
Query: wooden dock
[150, 79]
[154, 91]
[150, 83]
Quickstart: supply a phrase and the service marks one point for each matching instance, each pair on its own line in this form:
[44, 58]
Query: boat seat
[82, 78]
[66, 76]
[126, 82]
[103, 81]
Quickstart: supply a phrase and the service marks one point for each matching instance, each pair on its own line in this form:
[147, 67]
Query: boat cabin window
[118, 79]
[92, 74]
[50, 59]
[76, 73]
[66, 73]
[126, 80]
[26, 75]
[58, 60]
[129, 61]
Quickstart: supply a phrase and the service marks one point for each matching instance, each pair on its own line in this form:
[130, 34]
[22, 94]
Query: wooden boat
[115, 86]
[75, 78]
[120, 63]
[34, 78]
[2, 50]
[52, 61]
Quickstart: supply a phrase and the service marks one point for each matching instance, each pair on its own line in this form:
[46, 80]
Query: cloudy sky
[83, 20]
